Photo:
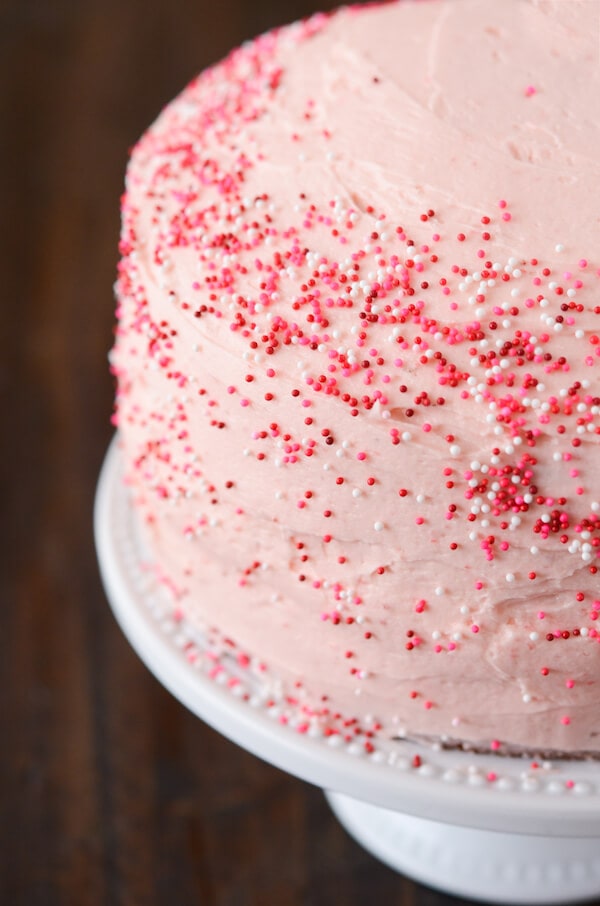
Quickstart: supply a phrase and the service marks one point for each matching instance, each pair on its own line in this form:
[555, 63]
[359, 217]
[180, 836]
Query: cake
[357, 360]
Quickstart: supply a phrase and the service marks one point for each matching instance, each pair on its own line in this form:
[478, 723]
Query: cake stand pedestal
[491, 866]
[496, 829]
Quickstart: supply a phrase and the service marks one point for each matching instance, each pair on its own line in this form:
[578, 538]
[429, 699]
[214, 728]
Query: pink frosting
[357, 361]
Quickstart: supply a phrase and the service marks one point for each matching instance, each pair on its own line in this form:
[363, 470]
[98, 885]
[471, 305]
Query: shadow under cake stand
[497, 829]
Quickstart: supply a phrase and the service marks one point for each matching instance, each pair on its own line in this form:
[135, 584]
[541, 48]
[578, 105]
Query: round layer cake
[357, 361]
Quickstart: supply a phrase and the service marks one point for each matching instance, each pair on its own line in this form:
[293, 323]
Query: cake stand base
[483, 865]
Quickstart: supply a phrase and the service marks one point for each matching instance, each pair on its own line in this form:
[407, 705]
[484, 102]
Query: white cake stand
[497, 829]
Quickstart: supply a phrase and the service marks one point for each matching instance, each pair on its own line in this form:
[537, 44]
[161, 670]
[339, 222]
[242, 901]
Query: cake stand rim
[512, 811]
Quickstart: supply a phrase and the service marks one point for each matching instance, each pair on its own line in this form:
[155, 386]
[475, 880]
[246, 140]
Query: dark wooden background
[111, 792]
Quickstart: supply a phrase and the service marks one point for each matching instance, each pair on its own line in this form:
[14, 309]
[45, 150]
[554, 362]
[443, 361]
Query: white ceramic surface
[490, 866]
[496, 828]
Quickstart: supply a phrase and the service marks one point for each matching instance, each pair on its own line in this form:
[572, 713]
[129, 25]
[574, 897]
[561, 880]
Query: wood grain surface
[111, 792]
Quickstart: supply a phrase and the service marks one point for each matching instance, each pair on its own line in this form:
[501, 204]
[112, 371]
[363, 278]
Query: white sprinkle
[378, 526]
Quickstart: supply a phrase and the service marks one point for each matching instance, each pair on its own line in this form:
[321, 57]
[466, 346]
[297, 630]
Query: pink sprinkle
[427, 427]
[244, 402]
[530, 90]
[475, 628]
[541, 615]
[361, 456]
[502, 203]
[491, 776]
[565, 720]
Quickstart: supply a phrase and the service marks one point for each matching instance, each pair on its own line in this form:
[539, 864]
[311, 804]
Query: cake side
[357, 359]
